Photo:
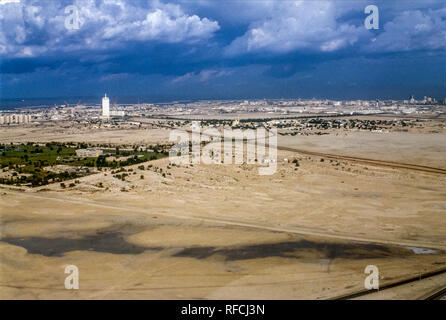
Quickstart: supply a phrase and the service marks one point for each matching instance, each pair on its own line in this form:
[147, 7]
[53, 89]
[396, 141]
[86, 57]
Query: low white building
[15, 118]
[89, 153]
[117, 113]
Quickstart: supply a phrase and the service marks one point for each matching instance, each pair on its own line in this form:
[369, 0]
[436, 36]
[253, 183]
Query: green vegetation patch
[26, 163]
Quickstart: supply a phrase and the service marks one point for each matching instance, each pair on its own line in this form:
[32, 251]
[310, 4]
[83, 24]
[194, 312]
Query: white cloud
[184, 77]
[303, 25]
[8, 1]
[114, 77]
[162, 25]
[202, 76]
[412, 30]
[321, 26]
[32, 27]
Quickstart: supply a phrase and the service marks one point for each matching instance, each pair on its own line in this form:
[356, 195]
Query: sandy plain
[224, 232]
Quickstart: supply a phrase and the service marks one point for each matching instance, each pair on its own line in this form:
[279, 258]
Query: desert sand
[223, 231]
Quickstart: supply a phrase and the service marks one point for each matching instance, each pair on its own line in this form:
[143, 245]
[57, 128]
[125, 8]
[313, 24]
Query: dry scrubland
[79, 133]
[224, 231]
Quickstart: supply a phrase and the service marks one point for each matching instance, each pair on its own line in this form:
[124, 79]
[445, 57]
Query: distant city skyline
[6, 104]
[152, 51]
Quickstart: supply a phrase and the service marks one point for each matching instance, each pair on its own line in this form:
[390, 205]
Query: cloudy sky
[200, 49]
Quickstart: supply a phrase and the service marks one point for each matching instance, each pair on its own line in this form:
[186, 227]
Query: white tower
[105, 106]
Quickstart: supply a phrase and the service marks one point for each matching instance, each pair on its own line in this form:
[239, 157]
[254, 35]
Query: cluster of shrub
[39, 179]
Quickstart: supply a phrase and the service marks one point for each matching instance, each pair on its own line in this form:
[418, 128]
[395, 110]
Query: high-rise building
[105, 106]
